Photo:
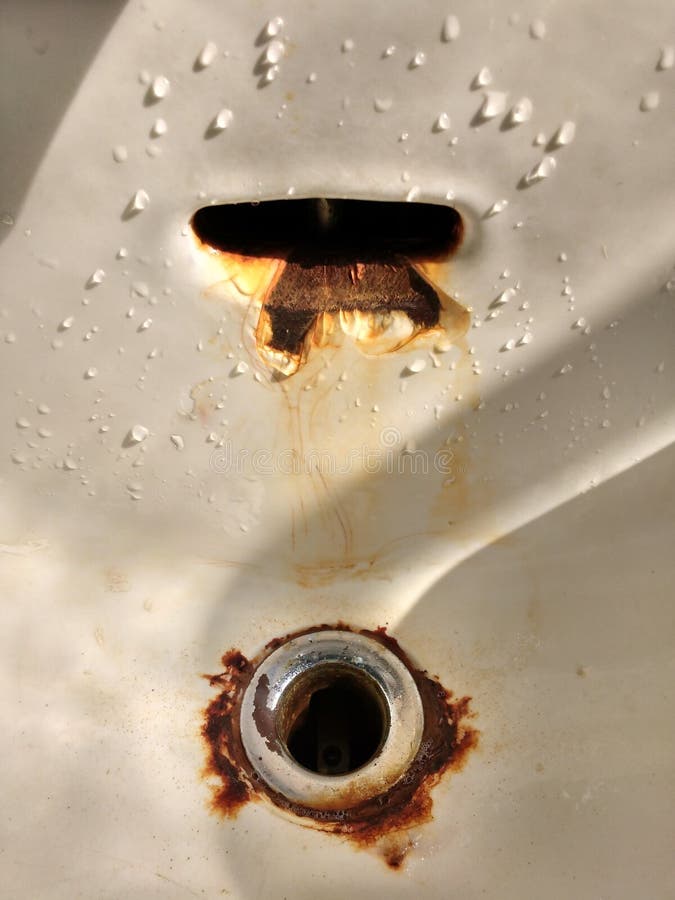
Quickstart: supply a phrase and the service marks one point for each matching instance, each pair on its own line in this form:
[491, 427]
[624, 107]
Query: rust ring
[274, 689]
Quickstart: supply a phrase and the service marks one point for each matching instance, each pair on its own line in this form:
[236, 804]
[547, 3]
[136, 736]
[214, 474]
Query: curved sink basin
[498, 496]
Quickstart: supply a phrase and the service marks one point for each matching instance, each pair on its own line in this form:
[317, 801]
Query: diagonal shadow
[46, 49]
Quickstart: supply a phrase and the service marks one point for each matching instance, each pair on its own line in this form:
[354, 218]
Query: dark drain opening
[336, 723]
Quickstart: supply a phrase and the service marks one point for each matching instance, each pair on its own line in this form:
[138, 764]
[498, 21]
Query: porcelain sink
[497, 493]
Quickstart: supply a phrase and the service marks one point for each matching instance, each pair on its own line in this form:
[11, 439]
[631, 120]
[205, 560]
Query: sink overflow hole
[319, 260]
[320, 231]
[336, 724]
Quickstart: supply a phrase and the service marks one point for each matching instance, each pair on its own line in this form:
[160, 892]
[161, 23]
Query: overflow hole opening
[335, 721]
[317, 231]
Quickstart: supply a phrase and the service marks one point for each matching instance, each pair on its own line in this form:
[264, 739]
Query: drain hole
[336, 721]
[327, 230]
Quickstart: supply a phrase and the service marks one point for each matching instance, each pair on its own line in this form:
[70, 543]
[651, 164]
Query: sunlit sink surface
[498, 494]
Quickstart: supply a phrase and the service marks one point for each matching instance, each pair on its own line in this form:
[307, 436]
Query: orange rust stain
[256, 279]
[305, 304]
[382, 823]
[221, 733]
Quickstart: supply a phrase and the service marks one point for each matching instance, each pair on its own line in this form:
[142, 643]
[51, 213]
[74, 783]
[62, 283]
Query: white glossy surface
[534, 575]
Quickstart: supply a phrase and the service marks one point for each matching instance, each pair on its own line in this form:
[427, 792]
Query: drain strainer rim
[264, 695]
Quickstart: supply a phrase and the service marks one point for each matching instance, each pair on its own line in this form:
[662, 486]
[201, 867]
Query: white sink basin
[504, 509]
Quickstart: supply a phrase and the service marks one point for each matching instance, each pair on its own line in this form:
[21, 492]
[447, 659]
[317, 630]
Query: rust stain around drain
[381, 823]
[318, 269]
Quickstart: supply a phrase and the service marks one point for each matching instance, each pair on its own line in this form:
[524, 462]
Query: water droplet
[451, 29]
[274, 26]
[520, 112]
[442, 123]
[18, 458]
[240, 369]
[139, 201]
[525, 339]
[177, 441]
[22, 423]
[144, 77]
[311, 78]
[509, 345]
[348, 45]
[661, 368]
[95, 278]
[44, 432]
[564, 135]
[542, 170]
[66, 323]
[482, 78]
[159, 128]
[145, 324]
[160, 87]
[383, 104]
[10, 338]
[91, 372]
[497, 207]
[649, 101]
[222, 120]
[538, 29]
[580, 323]
[417, 365]
[606, 392]
[418, 59]
[43, 409]
[270, 75]
[391, 49]
[412, 194]
[137, 434]
[139, 289]
[120, 153]
[506, 295]
[68, 464]
[122, 253]
[207, 55]
[494, 104]
[274, 53]
[7, 219]
[666, 59]
[565, 369]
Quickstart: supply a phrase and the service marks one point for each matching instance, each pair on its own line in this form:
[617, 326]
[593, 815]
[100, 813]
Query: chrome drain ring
[283, 683]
